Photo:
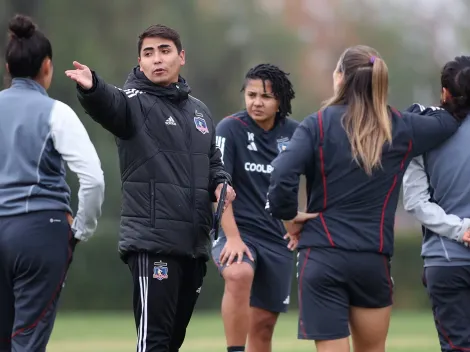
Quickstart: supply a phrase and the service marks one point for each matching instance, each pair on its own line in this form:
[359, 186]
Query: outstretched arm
[106, 104]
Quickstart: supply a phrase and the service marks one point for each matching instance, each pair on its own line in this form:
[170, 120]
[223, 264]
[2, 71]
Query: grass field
[409, 332]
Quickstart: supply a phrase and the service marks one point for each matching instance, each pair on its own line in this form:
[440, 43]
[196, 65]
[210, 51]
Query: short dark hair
[455, 77]
[281, 85]
[26, 49]
[160, 31]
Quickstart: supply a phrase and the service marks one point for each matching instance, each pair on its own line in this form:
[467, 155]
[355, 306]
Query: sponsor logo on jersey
[253, 167]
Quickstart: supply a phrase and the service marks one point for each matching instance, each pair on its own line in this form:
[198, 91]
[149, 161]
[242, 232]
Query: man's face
[159, 60]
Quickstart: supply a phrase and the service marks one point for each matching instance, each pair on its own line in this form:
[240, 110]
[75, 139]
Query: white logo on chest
[170, 121]
[251, 142]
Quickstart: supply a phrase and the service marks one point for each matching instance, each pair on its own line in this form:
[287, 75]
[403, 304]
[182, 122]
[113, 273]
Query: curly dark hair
[281, 85]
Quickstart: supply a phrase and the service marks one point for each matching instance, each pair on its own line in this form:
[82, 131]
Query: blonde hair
[364, 89]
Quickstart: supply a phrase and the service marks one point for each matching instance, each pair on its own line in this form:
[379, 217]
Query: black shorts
[271, 286]
[331, 281]
[448, 288]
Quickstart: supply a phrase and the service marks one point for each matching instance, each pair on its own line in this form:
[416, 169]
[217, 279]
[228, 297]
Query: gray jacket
[38, 135]
[436, 191]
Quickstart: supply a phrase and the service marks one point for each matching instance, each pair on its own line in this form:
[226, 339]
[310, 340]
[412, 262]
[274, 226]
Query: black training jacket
[356, 211]
[170, 165]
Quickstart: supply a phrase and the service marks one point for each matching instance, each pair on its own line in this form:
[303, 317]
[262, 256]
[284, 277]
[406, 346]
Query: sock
[236, 349]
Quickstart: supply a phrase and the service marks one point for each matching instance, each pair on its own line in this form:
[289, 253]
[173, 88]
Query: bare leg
[339, 345]
[236, 302]
[369, 328]
[260, 334]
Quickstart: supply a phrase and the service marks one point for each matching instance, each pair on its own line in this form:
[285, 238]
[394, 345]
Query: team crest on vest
[282, 144]
[160, 270]
[200, 123]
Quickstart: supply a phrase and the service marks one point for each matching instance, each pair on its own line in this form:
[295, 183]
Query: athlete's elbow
[410, 205]
[409, 208]
[279, 207]
[98, 183]
[283, 212]
[94, 183]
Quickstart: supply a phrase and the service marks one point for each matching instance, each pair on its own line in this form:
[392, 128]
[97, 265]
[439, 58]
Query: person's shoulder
[331, 111]
[62, 108]
[5, 92]
[63, 115]
[234, 121]
[327, 113]
[291, 123]
[314, 119]
[200, 106]
[420, 109]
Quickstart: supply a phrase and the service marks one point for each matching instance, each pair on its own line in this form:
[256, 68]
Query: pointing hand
[82, 75]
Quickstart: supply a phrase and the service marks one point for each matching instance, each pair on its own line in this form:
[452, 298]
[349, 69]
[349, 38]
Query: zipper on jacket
[192, 185]
[152, 202]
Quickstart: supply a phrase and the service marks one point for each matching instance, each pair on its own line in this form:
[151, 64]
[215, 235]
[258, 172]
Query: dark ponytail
[26, 49]
[455, 77]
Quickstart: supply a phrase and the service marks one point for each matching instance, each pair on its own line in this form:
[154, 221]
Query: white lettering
[220, 142]
[252, 167]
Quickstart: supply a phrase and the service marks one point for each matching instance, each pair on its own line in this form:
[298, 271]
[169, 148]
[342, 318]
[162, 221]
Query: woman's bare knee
[238, 277]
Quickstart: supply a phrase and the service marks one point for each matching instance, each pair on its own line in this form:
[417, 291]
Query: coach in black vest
[171, 172]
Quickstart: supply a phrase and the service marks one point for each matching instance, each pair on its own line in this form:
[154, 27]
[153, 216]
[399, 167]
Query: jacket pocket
[152, 203]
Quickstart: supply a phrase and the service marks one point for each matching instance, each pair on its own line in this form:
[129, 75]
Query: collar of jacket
[29, 84]
[176, 91]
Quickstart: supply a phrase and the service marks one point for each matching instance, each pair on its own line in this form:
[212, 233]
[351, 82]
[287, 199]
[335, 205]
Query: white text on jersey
[252, 167]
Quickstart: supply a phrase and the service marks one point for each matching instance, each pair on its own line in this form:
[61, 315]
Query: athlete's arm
[106, 104]
[431, 127]
[234, 247]
[283, 190]
[72, 142]
[218, 170]
[416, 200]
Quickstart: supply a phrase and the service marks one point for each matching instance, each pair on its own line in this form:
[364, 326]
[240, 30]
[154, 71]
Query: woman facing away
[353, 152]
[37, 233]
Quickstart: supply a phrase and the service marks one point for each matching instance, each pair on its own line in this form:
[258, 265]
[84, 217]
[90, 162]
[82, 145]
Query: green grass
[116, 332]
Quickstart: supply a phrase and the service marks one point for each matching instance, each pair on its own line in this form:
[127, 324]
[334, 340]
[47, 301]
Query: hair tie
[372, 59]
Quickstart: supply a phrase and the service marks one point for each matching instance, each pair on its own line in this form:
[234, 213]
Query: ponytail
[365, 91]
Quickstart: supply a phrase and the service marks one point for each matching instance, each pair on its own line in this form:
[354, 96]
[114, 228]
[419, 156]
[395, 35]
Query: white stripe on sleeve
[71, 140]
